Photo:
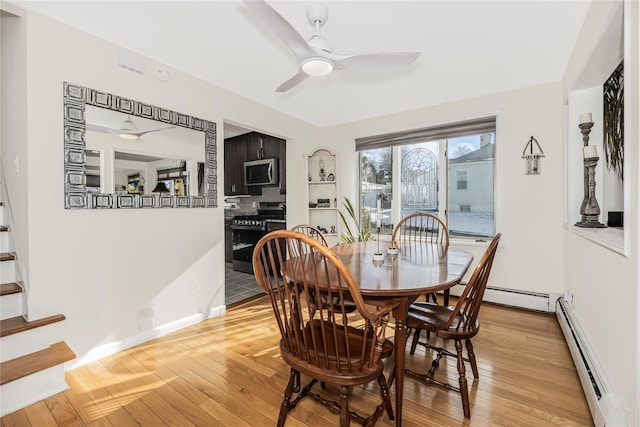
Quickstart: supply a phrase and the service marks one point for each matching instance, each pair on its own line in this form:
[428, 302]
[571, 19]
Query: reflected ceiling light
[128, 130]
[317, 66]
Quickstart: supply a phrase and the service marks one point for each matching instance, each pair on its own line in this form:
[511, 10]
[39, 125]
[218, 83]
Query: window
[461, 179]
[376, 182]
[445, 171]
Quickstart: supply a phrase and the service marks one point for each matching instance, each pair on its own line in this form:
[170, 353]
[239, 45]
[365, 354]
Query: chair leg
[472, 358]
[414, 342]
[446, 298]
[392, 376]
[434, 298]
[345, 416]
[463, 381]
[384, 391]
[296, 386]
[285, 407]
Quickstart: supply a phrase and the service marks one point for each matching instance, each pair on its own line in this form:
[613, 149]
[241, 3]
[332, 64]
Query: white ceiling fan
[128, 129]
[315, 57]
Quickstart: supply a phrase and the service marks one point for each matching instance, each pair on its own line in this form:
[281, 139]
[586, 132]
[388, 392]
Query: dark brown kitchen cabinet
[235, 154]
[282, 165]
[254, 142]
[228, 244]
[276, 147]
[248, 147]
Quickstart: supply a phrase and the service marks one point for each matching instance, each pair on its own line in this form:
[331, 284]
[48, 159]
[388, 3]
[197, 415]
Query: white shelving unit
[322, 191]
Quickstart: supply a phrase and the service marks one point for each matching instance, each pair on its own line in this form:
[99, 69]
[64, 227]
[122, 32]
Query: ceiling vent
[130, 63]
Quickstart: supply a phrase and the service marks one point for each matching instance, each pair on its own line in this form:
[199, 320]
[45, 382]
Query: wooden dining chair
[459, 323]
[311, 231]
[317, 341]
[423, 227]
[314, 232]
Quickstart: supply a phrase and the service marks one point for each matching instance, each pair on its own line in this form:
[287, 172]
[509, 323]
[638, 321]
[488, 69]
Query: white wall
[529, 213]
[13, 41]
[605, 283]
[100, 267]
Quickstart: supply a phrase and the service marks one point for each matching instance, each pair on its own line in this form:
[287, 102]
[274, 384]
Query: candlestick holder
[589, 209]
[377, 255]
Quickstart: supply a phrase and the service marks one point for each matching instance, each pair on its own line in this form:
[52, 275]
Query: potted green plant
[361, 231]
[613, 104]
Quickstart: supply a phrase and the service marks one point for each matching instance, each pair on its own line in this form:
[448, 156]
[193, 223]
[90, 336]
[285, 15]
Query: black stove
[257, 222]
[248, 229]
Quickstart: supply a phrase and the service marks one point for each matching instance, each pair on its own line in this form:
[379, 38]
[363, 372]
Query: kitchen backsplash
[249, 205]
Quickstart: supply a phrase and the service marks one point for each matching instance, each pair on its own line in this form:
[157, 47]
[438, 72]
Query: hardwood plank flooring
[227, 371]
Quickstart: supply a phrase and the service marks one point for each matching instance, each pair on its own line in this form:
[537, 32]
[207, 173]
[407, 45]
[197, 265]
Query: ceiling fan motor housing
[317, 12]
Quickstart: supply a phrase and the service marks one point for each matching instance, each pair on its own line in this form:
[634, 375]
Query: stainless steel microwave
[261, 172]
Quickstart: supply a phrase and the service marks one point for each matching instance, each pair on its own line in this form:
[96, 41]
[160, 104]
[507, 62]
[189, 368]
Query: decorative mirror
[148, 157]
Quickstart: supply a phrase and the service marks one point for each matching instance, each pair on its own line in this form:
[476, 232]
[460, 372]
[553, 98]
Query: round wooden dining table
[418, 268]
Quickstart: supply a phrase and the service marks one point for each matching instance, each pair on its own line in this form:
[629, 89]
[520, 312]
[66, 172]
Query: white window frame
[443, 176]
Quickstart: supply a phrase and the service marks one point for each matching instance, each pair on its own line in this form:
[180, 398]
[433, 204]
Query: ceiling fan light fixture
[128, 136]
[317, 66]
[128, 130]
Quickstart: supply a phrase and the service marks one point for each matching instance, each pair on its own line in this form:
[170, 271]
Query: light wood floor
[227, 372]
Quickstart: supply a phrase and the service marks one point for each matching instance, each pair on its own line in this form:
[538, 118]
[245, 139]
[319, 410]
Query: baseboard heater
[528, 300]
[607, 408]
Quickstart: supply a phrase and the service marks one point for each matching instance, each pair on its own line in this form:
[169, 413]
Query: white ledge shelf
[610, 238]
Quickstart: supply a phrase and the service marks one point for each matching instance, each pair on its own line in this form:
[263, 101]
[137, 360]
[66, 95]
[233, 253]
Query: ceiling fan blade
[280, 26]
[100, 129]
[293, 81]
[152, 130]
[374, 61]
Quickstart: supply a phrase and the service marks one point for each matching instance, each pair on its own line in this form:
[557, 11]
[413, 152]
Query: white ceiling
[469, 48]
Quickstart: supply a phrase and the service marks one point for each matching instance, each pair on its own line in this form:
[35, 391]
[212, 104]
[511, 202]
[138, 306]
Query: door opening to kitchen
[254, 204]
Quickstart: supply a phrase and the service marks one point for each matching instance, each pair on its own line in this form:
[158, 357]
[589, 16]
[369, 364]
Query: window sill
[479, 242]
[610, 238]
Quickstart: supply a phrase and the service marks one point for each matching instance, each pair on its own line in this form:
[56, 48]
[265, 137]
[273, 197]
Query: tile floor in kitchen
[239, 287]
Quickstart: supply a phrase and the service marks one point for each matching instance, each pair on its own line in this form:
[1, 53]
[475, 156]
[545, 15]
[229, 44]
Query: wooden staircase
[31, 357]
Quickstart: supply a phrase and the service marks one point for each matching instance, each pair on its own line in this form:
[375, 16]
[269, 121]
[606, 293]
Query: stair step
[10, 288]
[11, 301]
[17, 324]
[7, 256]
[23, 366]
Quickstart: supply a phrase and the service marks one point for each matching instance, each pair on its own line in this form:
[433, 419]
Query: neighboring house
[471, 181]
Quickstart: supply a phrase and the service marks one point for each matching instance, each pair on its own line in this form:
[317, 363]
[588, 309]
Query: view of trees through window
[461, 193]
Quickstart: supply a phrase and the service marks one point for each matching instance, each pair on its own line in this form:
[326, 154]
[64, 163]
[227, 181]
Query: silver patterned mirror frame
[76, 196]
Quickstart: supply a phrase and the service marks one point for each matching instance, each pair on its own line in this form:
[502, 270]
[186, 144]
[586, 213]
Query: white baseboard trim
[142, 337]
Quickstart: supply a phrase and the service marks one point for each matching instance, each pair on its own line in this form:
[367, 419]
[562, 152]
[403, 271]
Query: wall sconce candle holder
[533, 156]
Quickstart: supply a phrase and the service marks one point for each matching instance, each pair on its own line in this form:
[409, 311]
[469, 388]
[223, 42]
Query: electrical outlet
[146, 313]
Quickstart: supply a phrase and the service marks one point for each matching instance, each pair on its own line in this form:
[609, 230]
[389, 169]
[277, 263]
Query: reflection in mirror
[120, 153]
[172, 155]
